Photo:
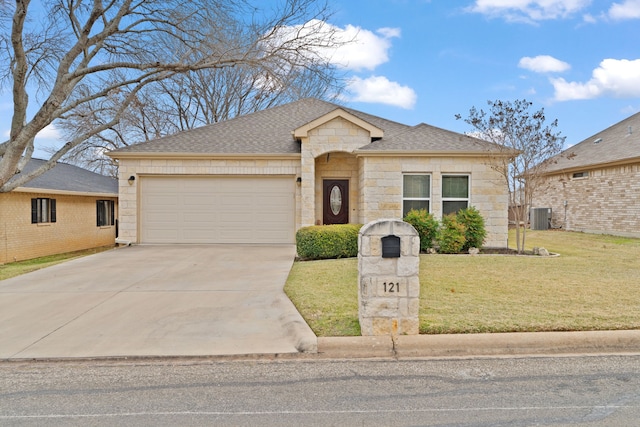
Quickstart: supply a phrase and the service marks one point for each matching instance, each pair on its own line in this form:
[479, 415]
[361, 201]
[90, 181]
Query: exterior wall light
[131, 180]
[299, 180]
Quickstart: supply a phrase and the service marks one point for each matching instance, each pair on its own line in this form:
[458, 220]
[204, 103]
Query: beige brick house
[260, 177]
[65, 209]
[594, 186]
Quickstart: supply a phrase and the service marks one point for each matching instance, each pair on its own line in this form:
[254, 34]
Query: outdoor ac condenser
[540, 218]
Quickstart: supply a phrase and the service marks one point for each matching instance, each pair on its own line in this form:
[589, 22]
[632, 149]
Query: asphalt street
[541, 391]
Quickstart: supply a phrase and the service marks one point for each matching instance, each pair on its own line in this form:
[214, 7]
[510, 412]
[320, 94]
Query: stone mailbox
[388, 282]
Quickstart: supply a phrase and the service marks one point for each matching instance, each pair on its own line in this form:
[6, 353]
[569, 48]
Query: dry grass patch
[593, 285]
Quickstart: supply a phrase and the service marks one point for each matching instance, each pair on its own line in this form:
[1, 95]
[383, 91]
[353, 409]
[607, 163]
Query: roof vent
[597, 141]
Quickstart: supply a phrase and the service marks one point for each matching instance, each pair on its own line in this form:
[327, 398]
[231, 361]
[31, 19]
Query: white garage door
[217, 209]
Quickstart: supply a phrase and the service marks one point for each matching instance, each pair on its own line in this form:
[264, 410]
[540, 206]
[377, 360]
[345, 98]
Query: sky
[424, 61]
[427, 60]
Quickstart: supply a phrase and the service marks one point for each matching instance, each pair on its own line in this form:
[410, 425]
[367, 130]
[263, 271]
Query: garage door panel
[217, 209]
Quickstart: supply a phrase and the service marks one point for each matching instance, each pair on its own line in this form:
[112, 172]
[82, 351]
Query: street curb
[471, 345]
[304, 340]
[355, 347]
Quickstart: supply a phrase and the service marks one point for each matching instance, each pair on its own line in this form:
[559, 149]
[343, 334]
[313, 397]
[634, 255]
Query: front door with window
[335, 201]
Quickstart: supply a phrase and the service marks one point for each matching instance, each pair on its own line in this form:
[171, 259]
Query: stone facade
[381, 192]
[75, 227]
[607, 201]
[389, 288]
[329, 148]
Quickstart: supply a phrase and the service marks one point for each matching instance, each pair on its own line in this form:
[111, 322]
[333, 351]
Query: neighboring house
[63, 210]
[260, 177]
[594, 186]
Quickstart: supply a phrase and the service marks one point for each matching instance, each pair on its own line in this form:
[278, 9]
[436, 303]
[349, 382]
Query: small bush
[475, 232]
[328, 241]
[450, 235]
[425, 225]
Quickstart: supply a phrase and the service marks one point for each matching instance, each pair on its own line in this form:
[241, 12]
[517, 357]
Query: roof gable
[276, 131]
[302, 131]
[619, 143]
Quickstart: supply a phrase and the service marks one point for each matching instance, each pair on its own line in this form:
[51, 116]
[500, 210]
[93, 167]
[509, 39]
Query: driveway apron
[180, 300]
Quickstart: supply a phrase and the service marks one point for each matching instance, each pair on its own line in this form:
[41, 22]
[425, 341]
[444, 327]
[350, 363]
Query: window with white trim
[455, 193]
[416, 192]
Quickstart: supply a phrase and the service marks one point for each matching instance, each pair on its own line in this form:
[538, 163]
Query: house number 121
[391, 287]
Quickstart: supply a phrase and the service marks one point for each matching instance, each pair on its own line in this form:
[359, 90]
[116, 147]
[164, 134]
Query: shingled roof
[619, 143]
[69, 178]
[270, 132]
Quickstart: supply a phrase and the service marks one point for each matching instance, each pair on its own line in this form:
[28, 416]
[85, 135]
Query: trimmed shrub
[425, 225]
[328, 241]
[475, 232]
[450, 235]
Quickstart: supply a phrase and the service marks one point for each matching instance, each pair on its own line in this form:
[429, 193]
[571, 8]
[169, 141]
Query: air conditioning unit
[540, 218]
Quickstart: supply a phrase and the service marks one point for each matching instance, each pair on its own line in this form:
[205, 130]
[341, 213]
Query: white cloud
[528, 10]
[543, 64]
[49, 133]
[619, 78]
[378, 89]
[362, 49]
[628, 9]
[358, 48]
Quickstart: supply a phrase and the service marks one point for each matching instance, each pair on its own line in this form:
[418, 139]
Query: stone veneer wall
[336, 135]
[381, 197]
[128, 203]
[608, 201]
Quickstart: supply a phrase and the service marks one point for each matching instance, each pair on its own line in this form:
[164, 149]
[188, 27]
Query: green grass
[593, 285]
[21, 267]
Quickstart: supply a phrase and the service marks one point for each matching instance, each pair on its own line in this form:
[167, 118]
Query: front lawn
[593, 285]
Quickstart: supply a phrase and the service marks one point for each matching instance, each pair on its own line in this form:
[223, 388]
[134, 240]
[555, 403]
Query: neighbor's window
[455, 193]
[43, 210]
[416, 193]
[581, 175]
[105, 210]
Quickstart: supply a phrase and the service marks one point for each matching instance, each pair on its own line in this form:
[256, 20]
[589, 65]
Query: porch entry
[335, 201]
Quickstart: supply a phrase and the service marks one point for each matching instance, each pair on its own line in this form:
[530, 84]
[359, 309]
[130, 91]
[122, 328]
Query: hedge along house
[63, 210]
[594, 186]
[260, 177]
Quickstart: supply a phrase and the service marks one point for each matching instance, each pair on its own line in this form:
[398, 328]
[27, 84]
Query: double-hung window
[43, 210]
[455, 193]
[416, 192]
[105, 212]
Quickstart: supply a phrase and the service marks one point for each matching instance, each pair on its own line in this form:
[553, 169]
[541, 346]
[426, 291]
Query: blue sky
[578, 59]
[419, 61]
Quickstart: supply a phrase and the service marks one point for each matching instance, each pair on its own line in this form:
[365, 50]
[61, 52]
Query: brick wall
[607, 201]
[75, 227]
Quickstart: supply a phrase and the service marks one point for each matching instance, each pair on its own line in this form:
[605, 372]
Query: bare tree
[190, 100]
[90, 61]
[525, 145]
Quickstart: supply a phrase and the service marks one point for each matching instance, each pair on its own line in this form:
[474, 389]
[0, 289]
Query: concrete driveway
[155, 301]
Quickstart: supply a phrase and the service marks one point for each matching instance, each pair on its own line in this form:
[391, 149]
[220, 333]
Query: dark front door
[335, 201]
